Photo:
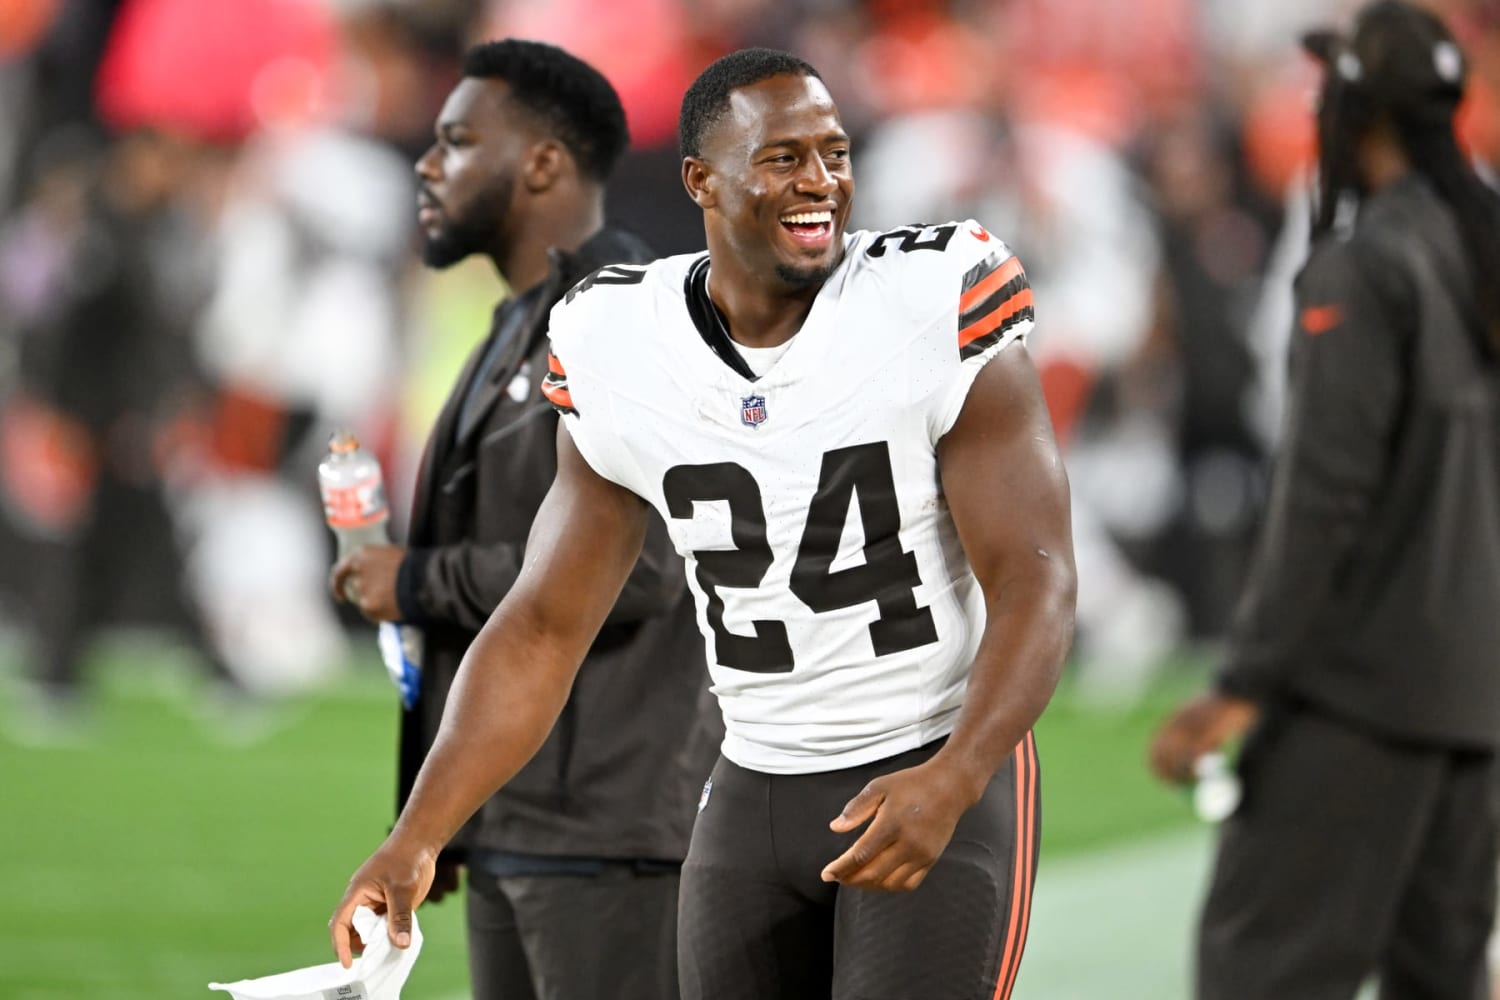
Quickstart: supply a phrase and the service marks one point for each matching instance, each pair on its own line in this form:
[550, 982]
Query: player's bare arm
[511, 687]
[1008, 493]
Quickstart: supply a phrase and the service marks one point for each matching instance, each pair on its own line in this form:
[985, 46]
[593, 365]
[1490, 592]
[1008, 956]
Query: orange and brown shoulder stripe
[555, 386]
[995, 297]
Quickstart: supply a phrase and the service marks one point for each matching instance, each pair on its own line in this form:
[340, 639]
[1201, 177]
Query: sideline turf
[155, 857]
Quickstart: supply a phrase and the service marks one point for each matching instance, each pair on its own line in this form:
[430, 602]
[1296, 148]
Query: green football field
[167, 845]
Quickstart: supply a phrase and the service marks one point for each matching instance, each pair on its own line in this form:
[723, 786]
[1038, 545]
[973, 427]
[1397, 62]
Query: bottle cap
[341, 442]
[1216, 795]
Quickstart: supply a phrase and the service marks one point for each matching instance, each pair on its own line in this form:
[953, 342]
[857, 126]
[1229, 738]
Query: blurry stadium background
[163, 824]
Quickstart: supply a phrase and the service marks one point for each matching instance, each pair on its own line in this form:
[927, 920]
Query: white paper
[378, 974]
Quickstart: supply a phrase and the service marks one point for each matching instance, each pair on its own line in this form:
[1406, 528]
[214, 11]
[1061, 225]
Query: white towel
[378, 974]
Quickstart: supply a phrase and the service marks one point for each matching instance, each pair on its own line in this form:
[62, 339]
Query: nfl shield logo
[753, 411]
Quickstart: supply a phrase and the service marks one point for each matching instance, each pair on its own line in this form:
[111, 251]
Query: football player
[848, 442]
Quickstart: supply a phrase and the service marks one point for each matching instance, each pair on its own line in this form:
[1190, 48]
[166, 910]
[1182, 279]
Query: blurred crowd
[207, 264]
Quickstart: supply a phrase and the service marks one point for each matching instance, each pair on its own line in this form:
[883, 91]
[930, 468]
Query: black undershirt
[709, 321]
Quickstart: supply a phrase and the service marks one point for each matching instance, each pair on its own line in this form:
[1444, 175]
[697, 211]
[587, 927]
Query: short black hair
[571, 97]
[708, 98]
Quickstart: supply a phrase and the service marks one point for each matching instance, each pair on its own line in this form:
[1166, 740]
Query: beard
[475, 229]
[455, 242]
[805, 276]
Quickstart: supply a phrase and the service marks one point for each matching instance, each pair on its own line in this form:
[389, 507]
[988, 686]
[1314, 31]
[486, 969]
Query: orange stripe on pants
[1021, 885]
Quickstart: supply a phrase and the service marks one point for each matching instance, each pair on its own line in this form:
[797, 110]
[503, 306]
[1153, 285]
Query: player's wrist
[964, 777]
[410, 840]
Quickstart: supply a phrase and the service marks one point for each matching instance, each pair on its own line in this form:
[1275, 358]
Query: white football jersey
[840, 614]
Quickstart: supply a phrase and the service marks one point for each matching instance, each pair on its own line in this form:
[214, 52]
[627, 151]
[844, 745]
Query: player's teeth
[808, 217]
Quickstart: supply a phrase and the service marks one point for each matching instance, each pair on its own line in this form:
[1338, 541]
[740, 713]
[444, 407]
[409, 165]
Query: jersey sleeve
[989, 305]
[580, 397]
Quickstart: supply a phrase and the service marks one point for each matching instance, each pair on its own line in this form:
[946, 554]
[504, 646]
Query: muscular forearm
[517, 673]
[510, 687]
[504, 702]
[1028, 630]
[1001, 455]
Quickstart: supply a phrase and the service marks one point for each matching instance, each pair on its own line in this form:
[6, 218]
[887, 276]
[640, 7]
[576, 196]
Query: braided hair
[1403, 70]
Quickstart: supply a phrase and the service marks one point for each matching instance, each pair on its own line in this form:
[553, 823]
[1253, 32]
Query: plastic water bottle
[353, 492]
[354, 503]
[1216, 788]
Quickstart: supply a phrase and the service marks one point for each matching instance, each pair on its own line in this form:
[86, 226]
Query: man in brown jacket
[572, 866]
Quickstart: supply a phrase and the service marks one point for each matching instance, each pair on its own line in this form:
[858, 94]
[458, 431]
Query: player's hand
[366, 578]
[1202, 724]
[911, 814]
[394, 881]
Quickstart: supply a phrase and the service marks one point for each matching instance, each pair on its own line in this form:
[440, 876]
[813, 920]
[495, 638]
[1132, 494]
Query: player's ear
[545, 162]
[697, 177]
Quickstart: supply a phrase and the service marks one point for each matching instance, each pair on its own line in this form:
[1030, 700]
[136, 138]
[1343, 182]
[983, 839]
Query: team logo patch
[1320, 319]
[753, 411]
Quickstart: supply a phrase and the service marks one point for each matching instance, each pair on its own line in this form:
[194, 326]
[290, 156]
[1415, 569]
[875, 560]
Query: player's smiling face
[781, 179]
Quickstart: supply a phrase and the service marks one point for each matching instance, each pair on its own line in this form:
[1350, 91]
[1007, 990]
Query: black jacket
[620, 774]
[1376, 590]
